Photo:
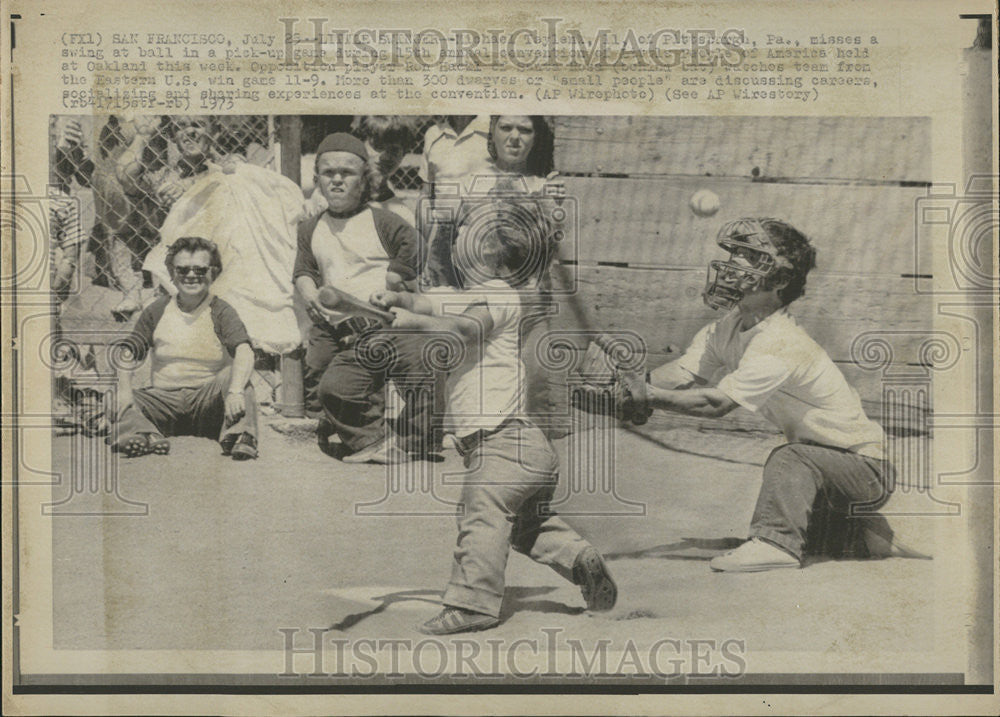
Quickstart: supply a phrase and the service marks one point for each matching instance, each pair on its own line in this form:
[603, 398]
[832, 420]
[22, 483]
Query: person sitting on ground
[201, 365]
[512, 467]
[252, 214]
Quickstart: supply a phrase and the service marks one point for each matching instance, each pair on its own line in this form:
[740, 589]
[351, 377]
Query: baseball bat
[332, 298]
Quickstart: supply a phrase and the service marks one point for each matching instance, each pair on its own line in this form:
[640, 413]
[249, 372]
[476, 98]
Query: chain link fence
[113, 182]
[123, 175]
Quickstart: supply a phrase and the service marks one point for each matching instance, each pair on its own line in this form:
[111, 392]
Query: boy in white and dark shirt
[358, 249]
[512, 467]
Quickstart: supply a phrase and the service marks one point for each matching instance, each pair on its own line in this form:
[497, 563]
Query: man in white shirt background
[456, 148]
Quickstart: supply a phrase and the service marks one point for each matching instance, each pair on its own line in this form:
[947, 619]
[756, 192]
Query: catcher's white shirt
[776, 369]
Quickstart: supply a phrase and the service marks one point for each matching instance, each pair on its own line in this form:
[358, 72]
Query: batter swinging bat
[332, 298]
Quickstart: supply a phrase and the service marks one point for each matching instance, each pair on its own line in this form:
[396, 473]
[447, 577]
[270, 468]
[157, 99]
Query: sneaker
[591, 574]
[457, 619]
[245, 448]
[753, 556]
[383, 452]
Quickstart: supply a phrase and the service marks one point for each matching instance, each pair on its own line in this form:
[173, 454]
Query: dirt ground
[231, 553]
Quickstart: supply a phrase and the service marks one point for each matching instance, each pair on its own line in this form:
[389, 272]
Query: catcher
[758, 357]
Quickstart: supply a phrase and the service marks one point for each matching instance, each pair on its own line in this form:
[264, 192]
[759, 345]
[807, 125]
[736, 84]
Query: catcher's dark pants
[800, 478]
[195, 411]
[352, 391]
[512, 474]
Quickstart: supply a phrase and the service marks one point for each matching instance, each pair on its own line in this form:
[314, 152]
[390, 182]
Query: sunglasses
[198, 271]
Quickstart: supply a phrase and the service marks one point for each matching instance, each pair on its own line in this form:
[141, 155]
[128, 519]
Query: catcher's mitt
[610, 385]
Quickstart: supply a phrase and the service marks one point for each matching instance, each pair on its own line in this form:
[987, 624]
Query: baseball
[704, 203]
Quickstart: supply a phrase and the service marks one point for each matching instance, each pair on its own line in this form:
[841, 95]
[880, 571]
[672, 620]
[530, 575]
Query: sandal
[142, 444]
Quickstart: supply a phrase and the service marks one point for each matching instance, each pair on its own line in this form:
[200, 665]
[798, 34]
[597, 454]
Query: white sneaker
[753, 556]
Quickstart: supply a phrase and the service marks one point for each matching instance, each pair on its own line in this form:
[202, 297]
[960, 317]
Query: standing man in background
[455, 148]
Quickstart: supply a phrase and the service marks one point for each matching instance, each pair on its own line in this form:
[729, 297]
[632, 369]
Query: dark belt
[346, 331]
[467, 443]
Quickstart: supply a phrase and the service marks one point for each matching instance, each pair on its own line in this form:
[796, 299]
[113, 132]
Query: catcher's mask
[752, 258]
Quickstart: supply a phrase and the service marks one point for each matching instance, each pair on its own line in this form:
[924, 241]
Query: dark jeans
[352, 391]
[195, 411]
[321, 346]
[801, 477]
[325, 342]
[438, 265]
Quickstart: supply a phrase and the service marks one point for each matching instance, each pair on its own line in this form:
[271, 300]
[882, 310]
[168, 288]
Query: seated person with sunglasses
[202, 361]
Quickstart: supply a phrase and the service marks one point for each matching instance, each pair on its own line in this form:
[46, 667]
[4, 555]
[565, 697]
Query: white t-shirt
[350, 255]
[777, 370]
[487, 387]
[186, 350]
[449, 156]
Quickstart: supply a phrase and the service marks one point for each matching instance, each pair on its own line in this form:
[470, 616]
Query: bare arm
[409, 301]
[395, 282]
[707, 402]
[115, 402]
[130, 167]
[309, 292]
[126, 382]
[242, 368]
[238, 380]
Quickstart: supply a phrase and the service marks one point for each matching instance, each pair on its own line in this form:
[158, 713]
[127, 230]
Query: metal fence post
[292, 403]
